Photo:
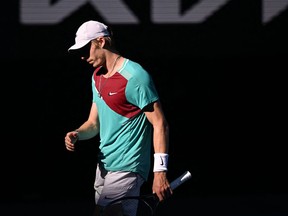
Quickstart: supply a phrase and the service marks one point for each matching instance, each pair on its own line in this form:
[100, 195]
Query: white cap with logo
[88, 31]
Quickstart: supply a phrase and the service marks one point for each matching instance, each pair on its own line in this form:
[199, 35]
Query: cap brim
[79, 45]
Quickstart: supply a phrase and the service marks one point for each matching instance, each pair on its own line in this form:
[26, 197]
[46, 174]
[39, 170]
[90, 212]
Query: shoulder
[132, 69]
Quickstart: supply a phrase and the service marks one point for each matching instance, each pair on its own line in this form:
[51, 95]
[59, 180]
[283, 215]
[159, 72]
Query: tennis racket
[147, 204]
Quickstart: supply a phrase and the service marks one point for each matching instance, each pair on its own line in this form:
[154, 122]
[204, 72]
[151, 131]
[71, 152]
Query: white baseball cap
[88, 31]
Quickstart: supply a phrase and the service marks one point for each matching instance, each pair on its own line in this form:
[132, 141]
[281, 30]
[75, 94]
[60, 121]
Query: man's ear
[100, 42]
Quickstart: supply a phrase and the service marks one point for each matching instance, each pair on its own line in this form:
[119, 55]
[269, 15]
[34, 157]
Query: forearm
[160, 167]
[161, 139]
[161, 147]
[87, 130]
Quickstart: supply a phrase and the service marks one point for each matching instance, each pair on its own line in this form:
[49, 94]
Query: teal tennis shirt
[125, 132]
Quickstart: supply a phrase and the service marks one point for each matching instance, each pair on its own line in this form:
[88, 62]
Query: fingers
[164, 192]
[69, 144]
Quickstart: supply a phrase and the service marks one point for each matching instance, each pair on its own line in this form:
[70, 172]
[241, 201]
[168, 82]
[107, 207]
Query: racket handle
[180, 180]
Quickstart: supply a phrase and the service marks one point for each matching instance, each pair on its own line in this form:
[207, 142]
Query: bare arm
[90, 128]
[157, 118]
[87, 130]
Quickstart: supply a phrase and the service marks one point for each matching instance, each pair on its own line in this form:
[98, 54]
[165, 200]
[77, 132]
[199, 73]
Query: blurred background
[219, 67]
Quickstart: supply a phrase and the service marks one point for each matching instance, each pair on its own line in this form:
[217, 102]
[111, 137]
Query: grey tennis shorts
[113, 185]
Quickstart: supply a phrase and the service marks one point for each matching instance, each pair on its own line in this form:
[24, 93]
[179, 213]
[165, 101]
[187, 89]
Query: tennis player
[126, 113]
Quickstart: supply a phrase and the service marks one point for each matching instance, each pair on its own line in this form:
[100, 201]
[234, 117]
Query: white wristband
[160, 162]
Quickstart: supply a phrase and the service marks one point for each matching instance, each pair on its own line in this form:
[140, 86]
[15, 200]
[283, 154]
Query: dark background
[223, 88]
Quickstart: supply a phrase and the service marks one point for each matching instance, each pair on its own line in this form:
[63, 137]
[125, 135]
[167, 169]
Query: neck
[110, 72]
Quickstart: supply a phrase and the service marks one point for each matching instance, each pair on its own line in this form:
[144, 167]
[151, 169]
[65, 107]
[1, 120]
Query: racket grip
[180, 180]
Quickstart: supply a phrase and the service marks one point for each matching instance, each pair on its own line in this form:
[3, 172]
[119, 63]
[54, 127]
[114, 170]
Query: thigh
[99, 182]
[120, 184]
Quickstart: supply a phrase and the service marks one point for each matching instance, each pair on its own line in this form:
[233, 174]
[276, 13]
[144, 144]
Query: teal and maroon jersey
[125, 132]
